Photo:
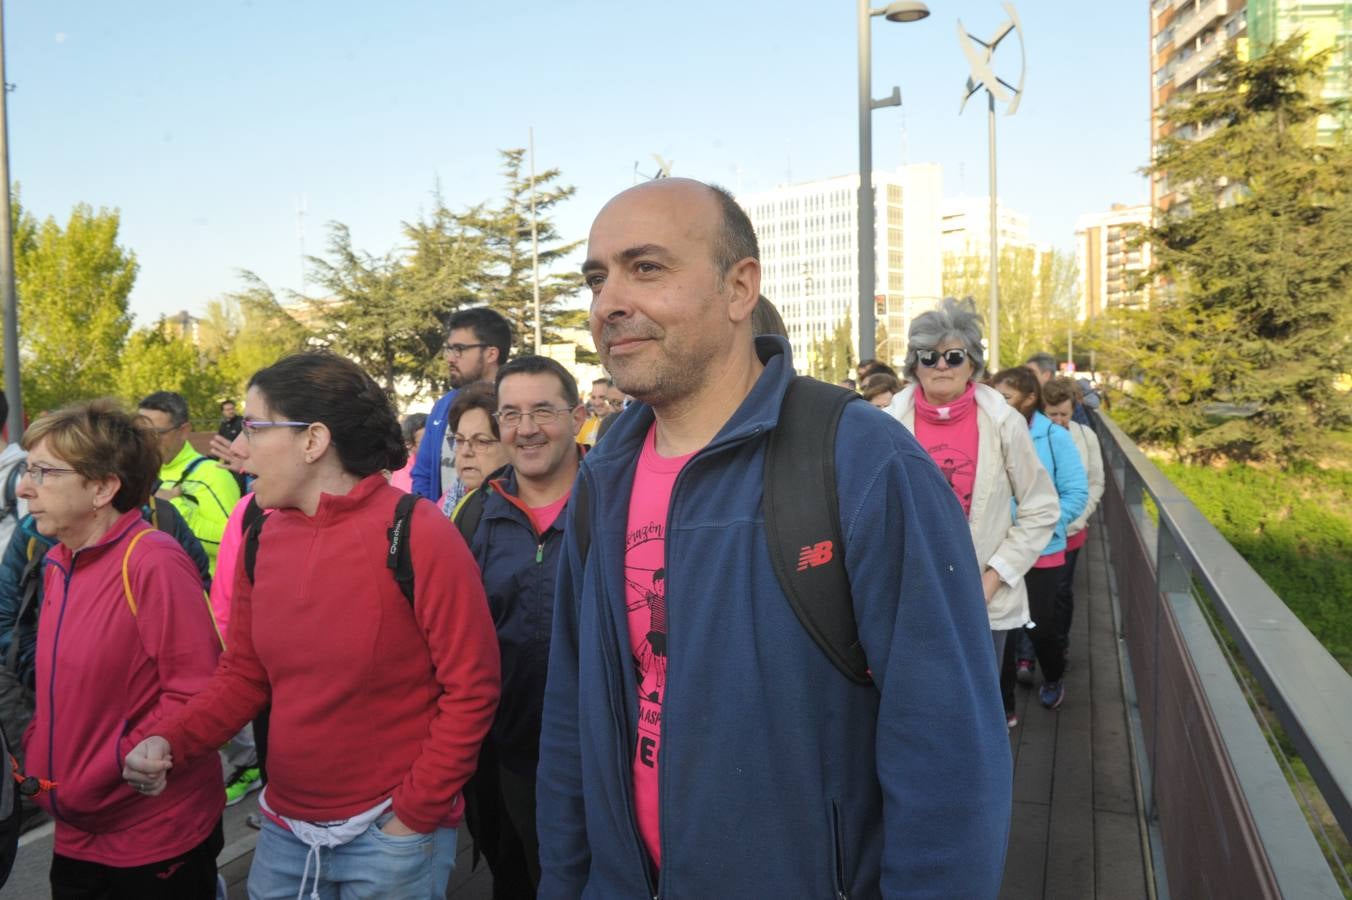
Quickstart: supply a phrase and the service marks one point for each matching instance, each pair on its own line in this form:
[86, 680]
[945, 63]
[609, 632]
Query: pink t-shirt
[1076, 540]
[544, 516]
[645, 596]
[949, 435]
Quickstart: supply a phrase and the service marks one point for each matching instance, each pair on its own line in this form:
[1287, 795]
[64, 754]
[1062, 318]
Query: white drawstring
[314, 893]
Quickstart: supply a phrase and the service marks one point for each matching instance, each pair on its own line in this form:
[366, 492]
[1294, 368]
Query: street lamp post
[905, 11]
[8, 299]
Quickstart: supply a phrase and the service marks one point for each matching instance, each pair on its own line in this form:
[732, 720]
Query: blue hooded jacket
[426, 473]
[778, 777]
[1060, 457]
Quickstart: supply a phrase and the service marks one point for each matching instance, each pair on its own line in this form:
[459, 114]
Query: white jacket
[1092, 456]
[1007, 468]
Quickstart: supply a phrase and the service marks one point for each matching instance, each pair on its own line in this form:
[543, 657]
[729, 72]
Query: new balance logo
[814, 555]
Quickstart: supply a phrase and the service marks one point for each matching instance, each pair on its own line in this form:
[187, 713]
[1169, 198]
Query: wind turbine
[981, 62]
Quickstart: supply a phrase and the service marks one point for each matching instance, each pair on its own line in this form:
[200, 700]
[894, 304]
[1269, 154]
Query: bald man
[697, 742]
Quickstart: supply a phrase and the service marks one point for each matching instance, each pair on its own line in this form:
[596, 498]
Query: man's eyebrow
[626, 255]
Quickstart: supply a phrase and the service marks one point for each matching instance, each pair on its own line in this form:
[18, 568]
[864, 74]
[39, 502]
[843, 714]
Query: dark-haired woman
[124, 639]
[378, 705]
[1061, 459]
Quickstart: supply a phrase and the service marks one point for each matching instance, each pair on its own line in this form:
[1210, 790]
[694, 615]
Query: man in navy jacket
[696, 742]
[516, 545]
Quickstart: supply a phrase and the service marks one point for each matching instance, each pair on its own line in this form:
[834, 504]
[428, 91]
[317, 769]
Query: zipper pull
[540, 552]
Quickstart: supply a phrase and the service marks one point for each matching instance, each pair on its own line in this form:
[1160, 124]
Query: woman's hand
[147, 766]
[396, 828]
[990, 583]
[220, 448]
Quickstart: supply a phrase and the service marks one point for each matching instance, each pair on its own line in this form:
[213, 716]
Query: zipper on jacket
[51, 684]
[838, 851]
[540, 552]
[625, 756]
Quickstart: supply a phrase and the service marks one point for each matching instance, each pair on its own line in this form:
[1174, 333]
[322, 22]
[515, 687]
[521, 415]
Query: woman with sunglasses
[984, 451]
[124, 638]
[378, 704]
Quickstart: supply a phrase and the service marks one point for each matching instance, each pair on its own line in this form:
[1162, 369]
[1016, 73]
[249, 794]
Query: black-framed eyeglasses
[38, 473]
[930, 358]
[540, 415]
[479, 443]
[459, 349]
[251, 427]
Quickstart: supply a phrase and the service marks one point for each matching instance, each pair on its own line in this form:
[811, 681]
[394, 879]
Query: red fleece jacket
[369, 698]
[106, 678]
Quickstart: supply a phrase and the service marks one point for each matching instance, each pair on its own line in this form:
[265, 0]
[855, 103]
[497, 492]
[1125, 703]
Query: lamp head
[906, 11]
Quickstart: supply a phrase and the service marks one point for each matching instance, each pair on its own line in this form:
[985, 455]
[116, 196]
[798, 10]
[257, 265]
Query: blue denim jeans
[374, 865]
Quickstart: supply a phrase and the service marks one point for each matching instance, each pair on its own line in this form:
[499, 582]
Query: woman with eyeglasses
[124, 638]
[378, 703]
[478, 451]
[985, 453]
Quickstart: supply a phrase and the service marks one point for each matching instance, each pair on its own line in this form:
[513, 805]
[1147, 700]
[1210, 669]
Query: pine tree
[1240, 354]
[505, 283]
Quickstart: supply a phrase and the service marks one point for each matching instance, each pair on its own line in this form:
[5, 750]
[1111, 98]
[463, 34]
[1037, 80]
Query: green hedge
[1295, 529]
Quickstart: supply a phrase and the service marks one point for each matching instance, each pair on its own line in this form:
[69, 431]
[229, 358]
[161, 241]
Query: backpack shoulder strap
[126, 573]
[469, 511]
[154, 512]
[399, 558]
[802, 521]
[12, 487]
[30, 582]
[192, 467]
[251, 533]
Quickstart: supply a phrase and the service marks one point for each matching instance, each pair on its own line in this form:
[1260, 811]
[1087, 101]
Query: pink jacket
[106, 676]
[223, 581]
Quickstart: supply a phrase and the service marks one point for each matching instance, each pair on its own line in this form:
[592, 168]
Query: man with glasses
[516, 542]
[202, 491]
[478, 342]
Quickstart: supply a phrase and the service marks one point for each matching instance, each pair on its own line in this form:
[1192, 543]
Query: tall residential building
[1327, 25]
[1187, 37]
[1111, 262]
[810, 254]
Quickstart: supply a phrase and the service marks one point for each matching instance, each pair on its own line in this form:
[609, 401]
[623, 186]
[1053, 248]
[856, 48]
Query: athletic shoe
[1051, 694]
[243, 781]
[1023, 672]
[1012, 720]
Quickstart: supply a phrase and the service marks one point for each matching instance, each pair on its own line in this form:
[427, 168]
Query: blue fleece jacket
[779, 777]
[518, 565]
[1060, 457]
[426, 474]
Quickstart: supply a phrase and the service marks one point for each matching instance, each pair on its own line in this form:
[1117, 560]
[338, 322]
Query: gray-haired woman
[983, 448]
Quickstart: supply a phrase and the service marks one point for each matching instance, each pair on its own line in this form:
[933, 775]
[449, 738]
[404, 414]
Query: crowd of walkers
[660, 641]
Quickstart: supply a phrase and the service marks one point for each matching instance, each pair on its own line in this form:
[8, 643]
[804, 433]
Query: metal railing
[1223, 819]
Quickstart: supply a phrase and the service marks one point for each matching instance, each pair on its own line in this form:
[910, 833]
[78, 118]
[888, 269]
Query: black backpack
[398, 558]
[802, 520]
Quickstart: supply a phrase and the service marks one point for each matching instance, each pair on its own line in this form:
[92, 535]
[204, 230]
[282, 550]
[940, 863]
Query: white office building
[810, 259]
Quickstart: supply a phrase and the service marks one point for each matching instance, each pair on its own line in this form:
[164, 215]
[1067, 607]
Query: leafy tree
[247, 331]
[73, 283]
[1037, 297]
[831, 359]
[1257, 266]
[364, 316]
[506, 283]
[441, 275]
[155, 360]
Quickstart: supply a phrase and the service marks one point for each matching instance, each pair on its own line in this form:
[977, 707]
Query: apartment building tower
[808, 236]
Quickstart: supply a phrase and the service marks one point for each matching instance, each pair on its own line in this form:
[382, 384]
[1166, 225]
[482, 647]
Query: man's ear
[743, 286]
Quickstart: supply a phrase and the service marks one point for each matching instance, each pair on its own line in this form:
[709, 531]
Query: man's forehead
[657, 213]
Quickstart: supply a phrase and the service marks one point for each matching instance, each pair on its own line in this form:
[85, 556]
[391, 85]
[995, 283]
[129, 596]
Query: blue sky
[207, 123]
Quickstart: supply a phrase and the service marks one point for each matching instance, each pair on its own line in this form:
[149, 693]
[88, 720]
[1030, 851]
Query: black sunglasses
[930, 358]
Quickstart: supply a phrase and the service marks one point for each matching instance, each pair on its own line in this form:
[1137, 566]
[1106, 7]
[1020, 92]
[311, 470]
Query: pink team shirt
[949, 435]
[645, 596]
[545, 515]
